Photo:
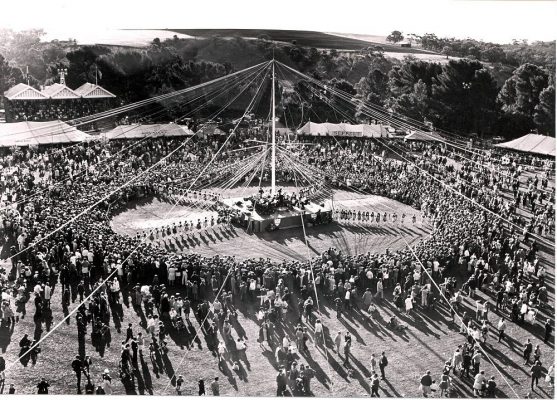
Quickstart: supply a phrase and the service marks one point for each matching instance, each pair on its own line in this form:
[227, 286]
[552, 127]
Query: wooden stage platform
[283, 218]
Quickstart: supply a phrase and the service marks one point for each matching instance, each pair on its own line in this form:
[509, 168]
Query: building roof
[58, 91]
[531, 143]
[21, 91]
[92, 91]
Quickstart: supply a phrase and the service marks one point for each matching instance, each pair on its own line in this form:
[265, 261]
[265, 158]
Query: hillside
[318, 40]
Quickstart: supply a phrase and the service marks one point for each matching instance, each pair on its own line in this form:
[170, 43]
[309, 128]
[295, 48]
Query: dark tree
[544, 114]
[464, 97]
[521, 92]
[395, 37]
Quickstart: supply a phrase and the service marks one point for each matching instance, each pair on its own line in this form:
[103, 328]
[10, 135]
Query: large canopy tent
[39, 133]
[424, 136]
[139, 131]
[210, 130]
[344, 130]
[531, 143]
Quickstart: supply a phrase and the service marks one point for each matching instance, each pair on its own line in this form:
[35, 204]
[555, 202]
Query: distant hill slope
[303, 38]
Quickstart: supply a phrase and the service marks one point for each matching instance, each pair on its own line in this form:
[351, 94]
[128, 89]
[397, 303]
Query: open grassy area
[427, 343]
[352, 238]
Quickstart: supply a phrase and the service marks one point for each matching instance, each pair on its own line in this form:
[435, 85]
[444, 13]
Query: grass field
[351, 238]
[427, 343]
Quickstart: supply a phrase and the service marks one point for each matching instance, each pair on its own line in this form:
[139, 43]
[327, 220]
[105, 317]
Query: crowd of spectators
[49, 110]
[468, 239]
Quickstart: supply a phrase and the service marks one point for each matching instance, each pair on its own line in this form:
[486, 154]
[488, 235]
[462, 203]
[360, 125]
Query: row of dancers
[367, 216]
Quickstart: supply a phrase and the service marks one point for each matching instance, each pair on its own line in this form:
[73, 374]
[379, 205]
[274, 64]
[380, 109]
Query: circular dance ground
[352, 237]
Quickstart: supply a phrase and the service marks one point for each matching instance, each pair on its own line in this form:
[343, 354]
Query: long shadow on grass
[6, 336]
[320, 375]
[352, 331]
[361, 376]
[391, 387]
[426, 346]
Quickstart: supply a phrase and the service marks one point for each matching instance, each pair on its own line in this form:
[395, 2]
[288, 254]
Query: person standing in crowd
[347, 351]
[215, 388]
[281, 382]
[536, 372]
[77, 367]
[537, 353]
[425, 383]
[201, 387]
[319, 333]
[373, 363]
[479, 384]
[43, 386]
[527, 352]
[548, 330]
[179, 384]
[501, 326]
[408, 304]
[491, 387]
[106, 382]
[476, 359]
[550, 375]
[338, 341]
[375, 385]
[383, 362]
[444, 384]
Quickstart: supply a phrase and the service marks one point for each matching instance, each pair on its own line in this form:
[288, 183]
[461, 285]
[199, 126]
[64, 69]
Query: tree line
[462, 95]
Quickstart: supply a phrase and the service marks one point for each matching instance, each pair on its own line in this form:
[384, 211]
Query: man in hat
[77, 366]
[537, 371]
[179, 384]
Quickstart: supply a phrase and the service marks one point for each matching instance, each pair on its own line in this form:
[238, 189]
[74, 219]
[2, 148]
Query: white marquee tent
[344, 130]
[39, 133]
[531, 143]
[424, 136]
[140, 131]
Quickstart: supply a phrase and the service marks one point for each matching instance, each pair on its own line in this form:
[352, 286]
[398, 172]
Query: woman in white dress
[408, 304]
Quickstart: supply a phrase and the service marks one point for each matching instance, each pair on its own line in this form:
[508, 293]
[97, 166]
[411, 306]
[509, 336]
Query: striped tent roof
[140, 131]
[39, 133]
[343, 130]
[532, 143]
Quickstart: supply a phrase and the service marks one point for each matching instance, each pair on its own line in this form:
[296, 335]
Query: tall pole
[273, 133]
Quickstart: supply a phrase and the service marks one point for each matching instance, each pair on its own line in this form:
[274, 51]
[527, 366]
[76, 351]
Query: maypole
[273, 146]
